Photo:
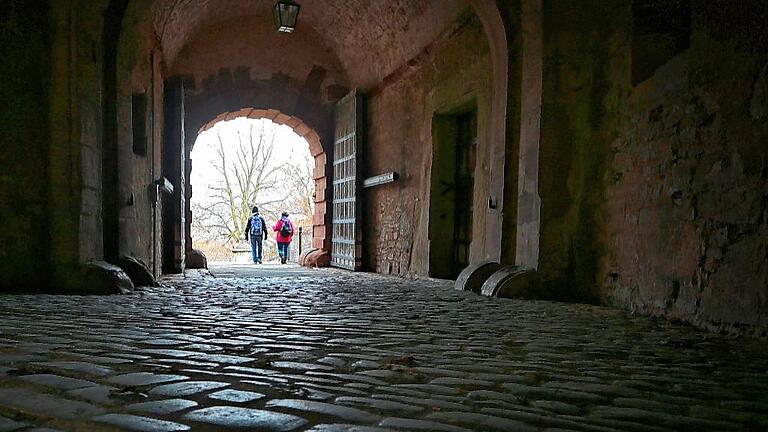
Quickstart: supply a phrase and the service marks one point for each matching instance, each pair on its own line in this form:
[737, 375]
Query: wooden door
[346, 251]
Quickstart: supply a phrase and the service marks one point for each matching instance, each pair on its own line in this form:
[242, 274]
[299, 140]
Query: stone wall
[585, 80]
[252, 43]
[453, 71]
[687, 201]
[24, 138]
[140, 75]
[227, 75]
[225, 71]
[654, 189]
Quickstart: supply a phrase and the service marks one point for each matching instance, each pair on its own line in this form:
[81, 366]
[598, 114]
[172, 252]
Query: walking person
[256, 228]
[284, 229]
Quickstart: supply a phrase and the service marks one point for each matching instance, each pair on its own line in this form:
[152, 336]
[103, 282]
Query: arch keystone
[257, 114]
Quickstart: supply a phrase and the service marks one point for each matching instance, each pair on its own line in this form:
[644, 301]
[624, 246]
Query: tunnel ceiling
[371, 38]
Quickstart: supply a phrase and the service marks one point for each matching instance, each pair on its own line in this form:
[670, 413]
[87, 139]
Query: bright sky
[288, 146]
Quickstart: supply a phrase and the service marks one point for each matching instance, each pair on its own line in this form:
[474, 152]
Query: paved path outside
[281, 349]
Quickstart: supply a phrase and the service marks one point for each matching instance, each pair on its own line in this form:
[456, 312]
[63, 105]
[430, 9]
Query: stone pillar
[174, 169]
[321, 238]
[528, 199]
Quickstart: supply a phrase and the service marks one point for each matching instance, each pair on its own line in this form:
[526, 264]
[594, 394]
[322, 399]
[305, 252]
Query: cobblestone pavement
[323, 350]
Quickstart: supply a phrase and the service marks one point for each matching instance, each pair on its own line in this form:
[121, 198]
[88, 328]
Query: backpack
[256, 228]
[286, 230]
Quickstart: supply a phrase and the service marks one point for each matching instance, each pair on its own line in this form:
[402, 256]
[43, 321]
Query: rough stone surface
[317, 258]
[511, 282]
[473, 277]
[101, 278]
[688, 220]
[162, 406]
[137, 423]
[653, 193]
[138, 271]
[303, 256]
[196, 259]
[335, 351]
[236, 396]
[8, 425]
[232, 417]
[436, 81]
[404, 29]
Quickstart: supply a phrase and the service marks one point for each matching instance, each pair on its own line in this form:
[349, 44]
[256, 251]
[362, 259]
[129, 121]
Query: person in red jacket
[284, 229]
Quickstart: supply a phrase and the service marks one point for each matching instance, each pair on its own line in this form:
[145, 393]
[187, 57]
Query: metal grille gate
[347, 149]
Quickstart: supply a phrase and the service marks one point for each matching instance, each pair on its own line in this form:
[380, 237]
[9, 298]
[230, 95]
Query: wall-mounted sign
[380, 179]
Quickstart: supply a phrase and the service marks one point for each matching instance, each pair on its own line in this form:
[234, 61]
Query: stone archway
[320, 220]
[524, 86]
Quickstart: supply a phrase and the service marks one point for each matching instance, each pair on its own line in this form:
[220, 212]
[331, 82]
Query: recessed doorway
[452, 193]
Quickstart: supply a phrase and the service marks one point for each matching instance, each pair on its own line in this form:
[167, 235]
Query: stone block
[132, 422]
[257, 114]
[293, 123]
[320, 193]
[318, 173]
[319, 231]
[138, 271]
[320, 187]
[321, 207]
[321, 243]
[245, 112]
[512, 282]
[229, 418]
[162, 407]
[321, 160]
[281, 119]
[318, 218]
[303, 256]
[314, 143]
[474, 276]
[302, 129]
[101, 278]
[196, 259]
[219, 118]
[29, 402]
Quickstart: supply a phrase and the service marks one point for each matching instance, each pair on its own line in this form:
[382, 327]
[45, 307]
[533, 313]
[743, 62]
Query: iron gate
[347, 150]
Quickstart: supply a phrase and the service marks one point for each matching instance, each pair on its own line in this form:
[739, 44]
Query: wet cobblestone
[283, 349]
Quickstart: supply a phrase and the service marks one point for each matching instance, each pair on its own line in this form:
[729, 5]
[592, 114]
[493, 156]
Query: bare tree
[245, 175]
[249, 171]
[299, 186]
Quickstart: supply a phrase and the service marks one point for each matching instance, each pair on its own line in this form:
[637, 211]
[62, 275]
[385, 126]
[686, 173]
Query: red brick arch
[320, 220]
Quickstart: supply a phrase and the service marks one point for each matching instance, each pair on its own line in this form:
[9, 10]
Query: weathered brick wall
[654, 193]
[454, 70]
[371, 39]
[24, 137]
[251, 44]
[226, 70]
[687, 204]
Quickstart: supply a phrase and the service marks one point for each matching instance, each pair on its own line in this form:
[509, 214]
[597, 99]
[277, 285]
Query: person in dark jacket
[284, 228]
[256, 228]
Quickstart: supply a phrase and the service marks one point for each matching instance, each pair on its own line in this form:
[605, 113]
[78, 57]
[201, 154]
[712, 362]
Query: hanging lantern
[286, 15]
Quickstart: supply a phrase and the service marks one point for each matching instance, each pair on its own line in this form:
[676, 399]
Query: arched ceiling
[371, 38]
